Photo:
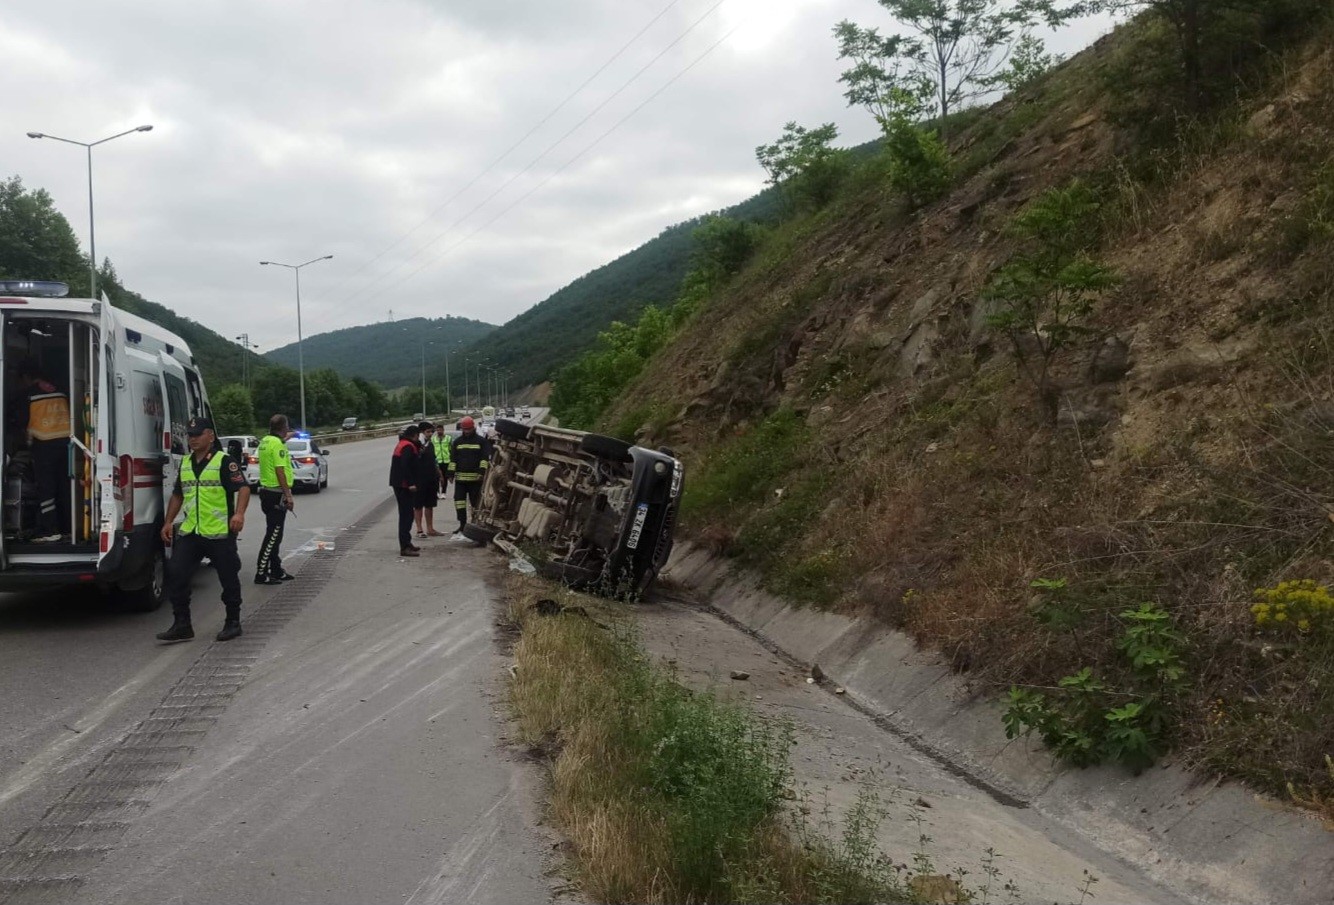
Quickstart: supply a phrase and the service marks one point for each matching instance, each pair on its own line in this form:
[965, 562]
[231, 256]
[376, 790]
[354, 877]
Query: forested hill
[36, 242]
[557, 330]
[388, 353]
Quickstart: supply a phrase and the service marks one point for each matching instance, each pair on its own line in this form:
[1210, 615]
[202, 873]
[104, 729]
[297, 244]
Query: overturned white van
[131, 388]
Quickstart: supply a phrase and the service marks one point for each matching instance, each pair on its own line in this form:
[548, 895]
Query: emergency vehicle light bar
[47, 289]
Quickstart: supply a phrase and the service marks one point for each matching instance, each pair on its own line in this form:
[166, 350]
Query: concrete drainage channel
[47, 863]
[1208, 841]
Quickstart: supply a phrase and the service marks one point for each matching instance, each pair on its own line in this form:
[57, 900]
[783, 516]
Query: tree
[1217, 27]
[957, 48]
[723, 245]
[36, 241]
[1045, 293]
[803, 164]
[233, 410]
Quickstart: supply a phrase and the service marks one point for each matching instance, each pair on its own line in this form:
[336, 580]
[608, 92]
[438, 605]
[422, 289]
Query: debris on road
[740, 675]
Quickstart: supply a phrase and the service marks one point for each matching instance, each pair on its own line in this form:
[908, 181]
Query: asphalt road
[344, 750]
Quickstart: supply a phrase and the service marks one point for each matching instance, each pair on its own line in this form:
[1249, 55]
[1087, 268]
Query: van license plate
[641, 513]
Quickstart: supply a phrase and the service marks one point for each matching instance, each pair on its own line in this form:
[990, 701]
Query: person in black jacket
[428, 483]
[469, 458]
[403, 478]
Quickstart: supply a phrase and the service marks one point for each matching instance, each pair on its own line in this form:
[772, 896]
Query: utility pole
[246, 344]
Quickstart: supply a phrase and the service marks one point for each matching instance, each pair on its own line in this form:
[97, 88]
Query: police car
[310, 464]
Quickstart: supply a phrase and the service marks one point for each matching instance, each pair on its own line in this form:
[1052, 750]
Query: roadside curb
[1213, 841]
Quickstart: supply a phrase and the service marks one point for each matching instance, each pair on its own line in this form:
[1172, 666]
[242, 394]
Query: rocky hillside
[1137, 548]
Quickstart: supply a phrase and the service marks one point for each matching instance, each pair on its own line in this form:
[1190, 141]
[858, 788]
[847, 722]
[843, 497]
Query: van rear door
[114, 496]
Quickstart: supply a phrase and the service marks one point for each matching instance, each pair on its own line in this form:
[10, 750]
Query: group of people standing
[425, 460]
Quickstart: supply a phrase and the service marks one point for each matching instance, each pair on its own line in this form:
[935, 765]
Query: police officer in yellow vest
[213, 493]
[48, 438]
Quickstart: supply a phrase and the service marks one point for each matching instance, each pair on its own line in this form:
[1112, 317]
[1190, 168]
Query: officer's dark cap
[197, 426]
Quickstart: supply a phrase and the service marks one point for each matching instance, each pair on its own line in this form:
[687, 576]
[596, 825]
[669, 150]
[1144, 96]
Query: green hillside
[557, 330]
[387, 353]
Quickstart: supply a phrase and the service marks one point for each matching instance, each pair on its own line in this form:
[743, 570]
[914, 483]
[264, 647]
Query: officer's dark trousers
[405, 499]
[275, 516]
[186, 554]
[50, 465]
[464, 493]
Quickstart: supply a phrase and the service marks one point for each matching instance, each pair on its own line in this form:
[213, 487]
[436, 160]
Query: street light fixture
[92, 237]
[300, 359]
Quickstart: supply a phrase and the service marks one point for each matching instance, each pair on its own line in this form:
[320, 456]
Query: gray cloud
[288, 130]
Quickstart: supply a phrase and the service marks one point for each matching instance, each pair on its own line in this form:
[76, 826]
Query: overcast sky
[289, 129]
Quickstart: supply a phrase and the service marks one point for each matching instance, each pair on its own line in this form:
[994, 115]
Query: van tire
[478, 534]
[511, 430]
[145, 593]
[605, 447]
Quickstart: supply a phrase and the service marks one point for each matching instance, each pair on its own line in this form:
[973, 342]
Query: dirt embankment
[860, 436]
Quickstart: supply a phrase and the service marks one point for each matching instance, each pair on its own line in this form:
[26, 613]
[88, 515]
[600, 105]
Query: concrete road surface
[344, 750]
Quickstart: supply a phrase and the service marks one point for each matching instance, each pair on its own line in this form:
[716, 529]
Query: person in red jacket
[403, 469]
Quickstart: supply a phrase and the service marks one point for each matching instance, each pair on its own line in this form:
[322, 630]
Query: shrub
[1045, 294]
[1294, 606]
[1088, 721]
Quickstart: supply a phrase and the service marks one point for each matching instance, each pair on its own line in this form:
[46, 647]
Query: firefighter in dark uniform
[469, 458]
[212, 491]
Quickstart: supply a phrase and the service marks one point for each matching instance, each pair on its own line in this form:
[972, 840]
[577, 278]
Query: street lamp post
[424, 345]
[92, 236]
[300, 358]
[449, 394]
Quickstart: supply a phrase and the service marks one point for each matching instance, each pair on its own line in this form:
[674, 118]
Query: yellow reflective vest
[48, 414]
[204, 500]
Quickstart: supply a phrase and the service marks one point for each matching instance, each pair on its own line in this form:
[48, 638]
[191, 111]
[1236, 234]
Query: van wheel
[146, 592]
[478, 534]
[605, 447]
[512, 430]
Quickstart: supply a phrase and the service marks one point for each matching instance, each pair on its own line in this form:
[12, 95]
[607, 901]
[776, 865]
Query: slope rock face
[861, 433]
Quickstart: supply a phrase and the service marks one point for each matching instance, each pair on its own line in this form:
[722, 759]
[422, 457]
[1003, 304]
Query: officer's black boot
[180, 630]
[231, 627]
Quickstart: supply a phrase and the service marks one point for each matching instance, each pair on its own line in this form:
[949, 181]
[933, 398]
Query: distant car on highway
[600, 511]
[349, 424]
[310, 464]
[418, 416]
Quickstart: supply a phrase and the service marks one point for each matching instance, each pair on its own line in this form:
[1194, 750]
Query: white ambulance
[132, 387]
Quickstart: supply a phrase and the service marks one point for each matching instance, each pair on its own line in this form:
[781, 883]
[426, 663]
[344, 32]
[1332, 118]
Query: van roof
[124, 318]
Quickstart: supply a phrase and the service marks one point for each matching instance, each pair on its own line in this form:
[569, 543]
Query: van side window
[179, 411]
[196, 394]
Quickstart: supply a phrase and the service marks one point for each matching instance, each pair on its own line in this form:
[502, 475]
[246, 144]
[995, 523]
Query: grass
[670, 795]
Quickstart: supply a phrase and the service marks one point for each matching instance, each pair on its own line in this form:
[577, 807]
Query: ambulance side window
[196, 394]
[179, 411]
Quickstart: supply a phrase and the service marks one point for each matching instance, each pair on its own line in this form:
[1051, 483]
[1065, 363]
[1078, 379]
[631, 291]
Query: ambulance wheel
[146, 592]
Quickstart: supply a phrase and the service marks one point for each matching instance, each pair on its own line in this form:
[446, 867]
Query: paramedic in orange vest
[48, 439]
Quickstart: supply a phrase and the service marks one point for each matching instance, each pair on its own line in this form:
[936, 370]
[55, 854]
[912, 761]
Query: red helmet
[466, 423]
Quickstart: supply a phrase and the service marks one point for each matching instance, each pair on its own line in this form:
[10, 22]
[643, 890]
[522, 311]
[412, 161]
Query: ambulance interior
[64, 353]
